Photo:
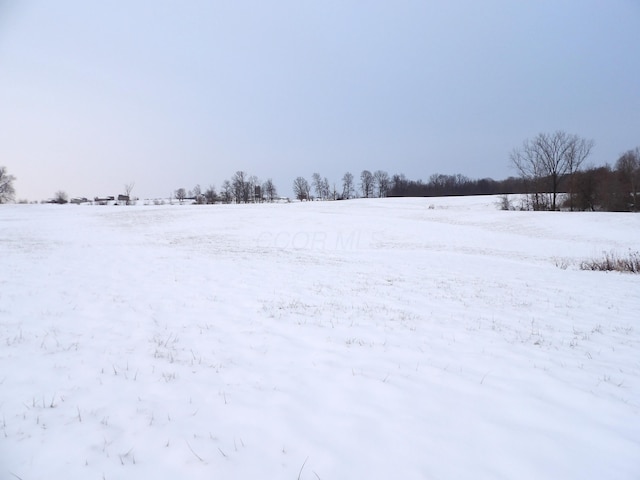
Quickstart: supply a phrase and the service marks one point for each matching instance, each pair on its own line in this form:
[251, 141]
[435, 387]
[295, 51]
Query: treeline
[550, 167]
[550, 170]
[246, 188]
[242, 188]
[440, 185]
[614, 189]
[380, 184]
[555, 185]
[608, 188]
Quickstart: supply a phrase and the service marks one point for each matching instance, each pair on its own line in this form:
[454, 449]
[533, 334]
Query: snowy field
[367, 339]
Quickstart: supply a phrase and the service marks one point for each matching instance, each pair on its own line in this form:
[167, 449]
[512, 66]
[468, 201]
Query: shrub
[504, 202]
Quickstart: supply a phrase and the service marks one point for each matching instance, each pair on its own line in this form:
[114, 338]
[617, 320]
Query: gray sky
[172, 94]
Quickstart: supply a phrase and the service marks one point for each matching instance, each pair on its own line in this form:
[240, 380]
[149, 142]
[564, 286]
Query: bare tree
[546, 160]
[60, 197]
[347, 186]
[197, 195]
[255, 192]
[241, 187]
[210, 194]
[317, 183]
[366, 183]
[301, 188]
[7, 192]
[270, 190]
[227, 192]
[321, 186]
[181, 194]
[128, 188]
[382, 183]
[326, 189]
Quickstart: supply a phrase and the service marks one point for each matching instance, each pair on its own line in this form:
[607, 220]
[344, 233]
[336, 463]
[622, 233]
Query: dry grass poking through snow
[611, 261]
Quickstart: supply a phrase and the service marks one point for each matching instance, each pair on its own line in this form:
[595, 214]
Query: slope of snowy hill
[397, 338]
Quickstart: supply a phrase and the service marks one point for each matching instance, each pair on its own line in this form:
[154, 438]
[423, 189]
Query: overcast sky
[171, 94]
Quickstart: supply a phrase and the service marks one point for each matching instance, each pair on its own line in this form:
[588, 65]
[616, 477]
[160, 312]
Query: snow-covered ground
[373, 339]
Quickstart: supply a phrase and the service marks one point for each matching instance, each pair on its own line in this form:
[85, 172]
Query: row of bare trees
[241, 188]
[375, 184]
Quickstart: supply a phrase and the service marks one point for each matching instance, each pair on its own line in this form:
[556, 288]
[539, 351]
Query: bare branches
[270, 190]
[382, 183]
[544, 161]
[347, 185]
[366, 183]
[128, 188]
[7, 192]
[301, 189]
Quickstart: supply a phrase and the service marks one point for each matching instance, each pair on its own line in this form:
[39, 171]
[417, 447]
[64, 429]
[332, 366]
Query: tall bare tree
[241, 187]
[321, 186]
[227, 192]
[366, 183]
[197, 195]
[181, 194]
[326, 189]
[382, 183]
[61, 197]
[318, 185]
[128, 188]
[7, 192]
[333, 191]
[254, 192]
[347, 186]
[546, 160]
[270, 190]
[210, 194]
[301, 188]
